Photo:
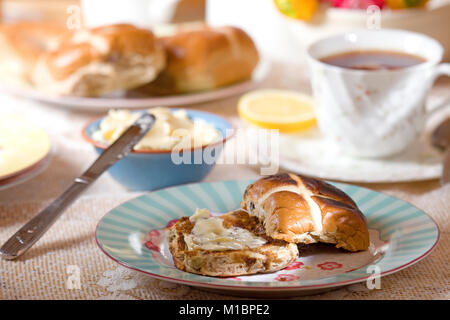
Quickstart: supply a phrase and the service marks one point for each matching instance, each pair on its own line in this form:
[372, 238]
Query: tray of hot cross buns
[125, 66]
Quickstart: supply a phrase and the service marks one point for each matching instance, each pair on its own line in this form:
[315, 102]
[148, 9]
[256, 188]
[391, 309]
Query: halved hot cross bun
[300, 209]
[231, 244]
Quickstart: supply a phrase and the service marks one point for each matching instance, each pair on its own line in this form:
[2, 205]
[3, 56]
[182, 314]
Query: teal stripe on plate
[396, 221]
[114, 245]
[148, 264]
[360, 195]
[384, 208]
[112, 239]
[417, 233]
[119, 227]
[181, 196]
[173, 209]
[147, 254]
[365, 199]
[414, 226]
[220, 204]
[395, 215]
[233, 189]
[427, 239]
[415, 246]
[148, 268]
[224, 196]
[202, 199]
[421, 231]
[148, 206]
[185, 210]
[140, 218]
[375, 200]
[347, 188]
[145, 210]
[361, 272]
[113, 228]
[242, 184]
[127, 254]
[406, 215]
[103, 229]
[128, 219]
[402, 258]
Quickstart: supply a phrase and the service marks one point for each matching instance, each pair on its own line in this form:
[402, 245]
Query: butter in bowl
[182, 147]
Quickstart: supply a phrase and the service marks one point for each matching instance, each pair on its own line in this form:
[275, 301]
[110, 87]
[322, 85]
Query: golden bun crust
[21, 44]
[92, 62]
[204, 58]
[300, 209]
[269, 257]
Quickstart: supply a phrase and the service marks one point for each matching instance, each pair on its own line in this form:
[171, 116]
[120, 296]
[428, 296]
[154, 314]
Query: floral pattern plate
[133, 235]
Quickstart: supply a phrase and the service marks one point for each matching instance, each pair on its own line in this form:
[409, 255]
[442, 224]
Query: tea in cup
[370, 88]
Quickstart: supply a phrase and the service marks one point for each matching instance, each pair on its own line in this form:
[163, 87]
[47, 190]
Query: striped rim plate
[408, 235]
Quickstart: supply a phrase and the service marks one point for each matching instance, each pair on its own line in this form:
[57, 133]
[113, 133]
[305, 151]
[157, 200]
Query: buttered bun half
[229, 245]
[300, 209]
[203, 58]
[94, 62]
[21, 44]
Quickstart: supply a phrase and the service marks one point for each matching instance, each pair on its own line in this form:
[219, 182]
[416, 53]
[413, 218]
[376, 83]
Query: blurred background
[283, 38]
[56, 10]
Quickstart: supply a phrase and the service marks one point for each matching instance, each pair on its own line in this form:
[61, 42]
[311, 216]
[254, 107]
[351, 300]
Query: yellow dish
[22, 144]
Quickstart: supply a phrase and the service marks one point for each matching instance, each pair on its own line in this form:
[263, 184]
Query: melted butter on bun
[210, 234]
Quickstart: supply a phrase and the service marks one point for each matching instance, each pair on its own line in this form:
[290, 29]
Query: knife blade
[32, 231]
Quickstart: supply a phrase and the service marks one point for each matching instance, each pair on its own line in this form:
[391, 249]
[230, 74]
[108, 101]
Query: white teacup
[374, 113]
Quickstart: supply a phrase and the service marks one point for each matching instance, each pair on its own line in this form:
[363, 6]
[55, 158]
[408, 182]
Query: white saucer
[311, 154]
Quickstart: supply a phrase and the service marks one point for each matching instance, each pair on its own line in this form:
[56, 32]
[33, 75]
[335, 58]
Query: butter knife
[32, 231]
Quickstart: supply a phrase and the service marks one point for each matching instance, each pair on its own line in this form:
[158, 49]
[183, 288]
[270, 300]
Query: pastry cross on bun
[232, 244]
[204, 58]
[299, 209]
[93, 62]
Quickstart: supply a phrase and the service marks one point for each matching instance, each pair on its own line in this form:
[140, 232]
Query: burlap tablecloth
[44, 271]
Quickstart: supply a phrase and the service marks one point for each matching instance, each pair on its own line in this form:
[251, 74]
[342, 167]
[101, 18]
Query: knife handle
[33, 230]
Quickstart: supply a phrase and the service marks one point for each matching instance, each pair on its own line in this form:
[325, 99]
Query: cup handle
[441, 69]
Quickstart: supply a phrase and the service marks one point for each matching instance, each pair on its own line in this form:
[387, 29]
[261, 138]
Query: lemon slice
[22, 144]
[287, 111]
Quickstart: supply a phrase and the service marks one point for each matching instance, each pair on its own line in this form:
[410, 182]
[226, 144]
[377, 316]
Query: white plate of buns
[122, 66]
[283, 235]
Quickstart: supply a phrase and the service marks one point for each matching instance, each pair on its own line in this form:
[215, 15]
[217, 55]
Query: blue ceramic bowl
[153, 169]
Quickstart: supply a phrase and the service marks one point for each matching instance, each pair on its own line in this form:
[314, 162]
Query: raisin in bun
[299, 209]
[94, 62]
[203, 58]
